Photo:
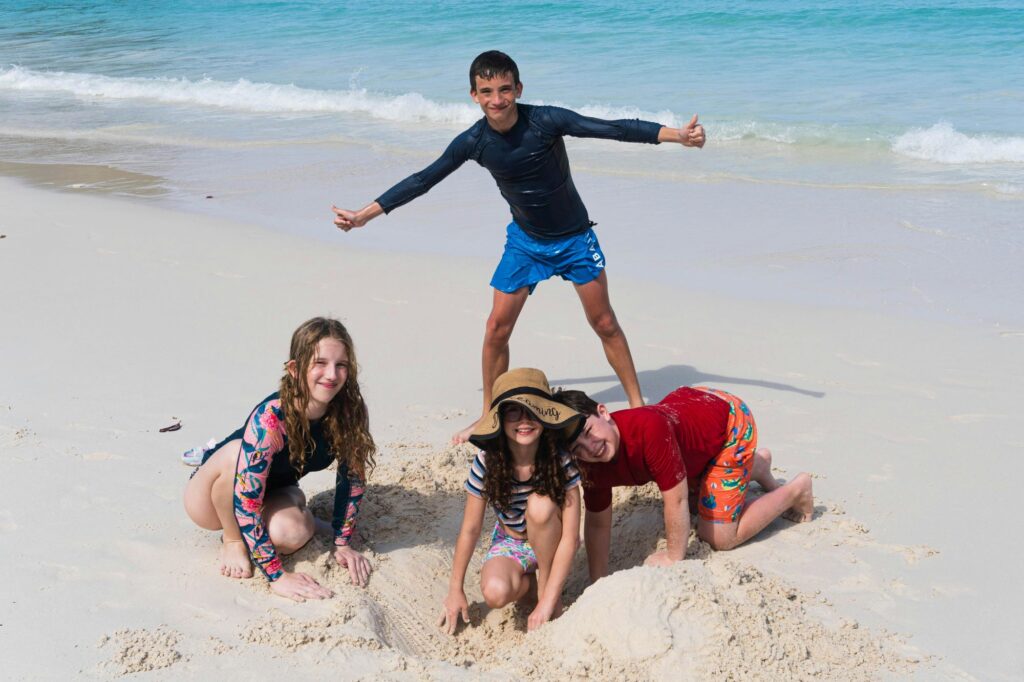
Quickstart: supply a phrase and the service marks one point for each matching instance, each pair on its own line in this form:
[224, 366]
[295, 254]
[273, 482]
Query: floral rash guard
[263, 465]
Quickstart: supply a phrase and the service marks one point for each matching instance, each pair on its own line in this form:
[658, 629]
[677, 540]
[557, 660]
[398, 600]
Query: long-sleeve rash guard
[263, 465]
[529, 164]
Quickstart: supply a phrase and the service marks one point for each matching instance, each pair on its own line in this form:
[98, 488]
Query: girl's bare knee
[497, 591]
[540, 510]
[291, 529]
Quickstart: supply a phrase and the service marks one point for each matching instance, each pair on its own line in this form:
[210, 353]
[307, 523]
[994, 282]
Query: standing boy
[550, 233]
[697, 442]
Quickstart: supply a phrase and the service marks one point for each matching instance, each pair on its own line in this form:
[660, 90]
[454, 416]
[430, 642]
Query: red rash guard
[666, 443]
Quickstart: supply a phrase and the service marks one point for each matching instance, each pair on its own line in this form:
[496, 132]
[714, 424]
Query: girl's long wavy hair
[346, 422]
[548, 476]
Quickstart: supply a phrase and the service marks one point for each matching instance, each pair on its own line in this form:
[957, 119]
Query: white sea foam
[241, 95]
[942, 143]
[244, 95]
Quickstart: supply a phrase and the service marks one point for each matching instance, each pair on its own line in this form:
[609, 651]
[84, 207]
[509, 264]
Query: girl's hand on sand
[454, 604]
[358, 566]
[541, 614]
[299, 587]
[692, 134]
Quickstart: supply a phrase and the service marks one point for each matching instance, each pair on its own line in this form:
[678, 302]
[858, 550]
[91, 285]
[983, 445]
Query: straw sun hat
[529, 388]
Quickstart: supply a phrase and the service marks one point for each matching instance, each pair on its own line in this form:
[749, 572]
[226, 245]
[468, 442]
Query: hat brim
[565, 422]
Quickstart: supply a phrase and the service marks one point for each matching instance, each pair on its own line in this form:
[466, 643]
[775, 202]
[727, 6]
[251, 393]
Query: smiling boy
[551, 232]
[697, 442]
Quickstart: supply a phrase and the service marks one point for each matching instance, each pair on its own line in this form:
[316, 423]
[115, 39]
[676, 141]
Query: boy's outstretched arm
[690, 135]
[346, 219]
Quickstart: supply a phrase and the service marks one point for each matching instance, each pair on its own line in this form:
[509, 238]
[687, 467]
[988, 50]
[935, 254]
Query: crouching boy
[697, 443]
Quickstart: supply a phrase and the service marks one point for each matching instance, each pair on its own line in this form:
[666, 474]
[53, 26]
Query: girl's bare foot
[802, 510]
[234, 559]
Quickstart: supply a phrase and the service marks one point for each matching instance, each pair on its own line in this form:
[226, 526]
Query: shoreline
[173, 315]
[925, 254]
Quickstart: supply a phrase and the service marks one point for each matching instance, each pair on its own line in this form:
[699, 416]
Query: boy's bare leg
[210, 503]
[762, 471]
[794, 501]
[594, 297]
[505, 310]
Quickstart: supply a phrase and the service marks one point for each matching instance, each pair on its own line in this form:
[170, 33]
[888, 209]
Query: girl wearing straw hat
[530, 480]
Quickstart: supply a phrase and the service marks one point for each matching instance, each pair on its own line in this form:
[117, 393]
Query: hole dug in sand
[705, 617]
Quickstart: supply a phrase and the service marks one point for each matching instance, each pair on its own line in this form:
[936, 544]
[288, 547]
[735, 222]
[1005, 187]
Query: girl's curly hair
[346, 423]
[499, 480]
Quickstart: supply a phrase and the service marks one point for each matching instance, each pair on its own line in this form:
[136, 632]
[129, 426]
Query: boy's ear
[603, 413]
[293, 368]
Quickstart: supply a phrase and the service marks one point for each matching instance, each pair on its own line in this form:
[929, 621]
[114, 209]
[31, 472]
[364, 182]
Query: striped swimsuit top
[514, 517]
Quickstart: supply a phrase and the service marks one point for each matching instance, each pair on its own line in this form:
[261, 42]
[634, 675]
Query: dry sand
[119, 318]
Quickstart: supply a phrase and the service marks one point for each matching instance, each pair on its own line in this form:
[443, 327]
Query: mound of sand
[706, 617]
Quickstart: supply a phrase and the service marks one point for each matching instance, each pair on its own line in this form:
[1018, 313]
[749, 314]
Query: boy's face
[497, 99]
[599, 440]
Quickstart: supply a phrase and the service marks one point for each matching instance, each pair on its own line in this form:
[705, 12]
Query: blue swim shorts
[527, 260]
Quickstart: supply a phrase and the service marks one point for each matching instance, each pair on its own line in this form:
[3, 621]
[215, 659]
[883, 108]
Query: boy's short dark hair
[577, 400]
[492, 64]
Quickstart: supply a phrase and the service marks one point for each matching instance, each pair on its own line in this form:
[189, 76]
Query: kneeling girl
[247, 485]
[530, 480]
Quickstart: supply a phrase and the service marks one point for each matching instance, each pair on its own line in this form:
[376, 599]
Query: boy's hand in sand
[454, 605]
[299, 587]
[690, 135]
[358, 566]
[661, 558]
[346, 219]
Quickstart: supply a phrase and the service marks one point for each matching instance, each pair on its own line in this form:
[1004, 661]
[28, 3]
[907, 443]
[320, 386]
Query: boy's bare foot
[802, 510]
[234, 559]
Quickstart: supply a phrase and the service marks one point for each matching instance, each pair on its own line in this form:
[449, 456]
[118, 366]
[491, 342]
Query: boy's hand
[692, 134]
[346, 219]
[661, 558]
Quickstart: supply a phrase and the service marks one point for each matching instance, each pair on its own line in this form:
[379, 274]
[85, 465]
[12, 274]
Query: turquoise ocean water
[918, 104]
[878, 93]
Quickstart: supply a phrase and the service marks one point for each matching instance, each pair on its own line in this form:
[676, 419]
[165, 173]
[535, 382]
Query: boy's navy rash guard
[529, 164]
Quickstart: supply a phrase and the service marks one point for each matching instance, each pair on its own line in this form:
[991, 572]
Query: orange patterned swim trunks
[723, 486]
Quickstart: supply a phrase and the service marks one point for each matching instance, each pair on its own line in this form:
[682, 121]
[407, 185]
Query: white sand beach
[120, 317]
